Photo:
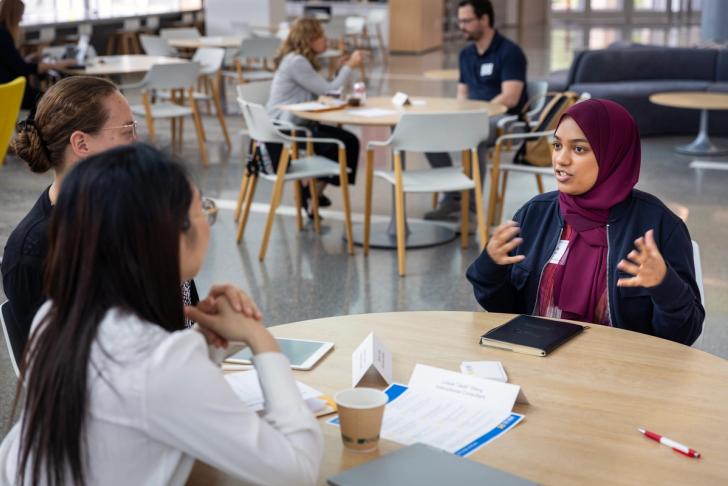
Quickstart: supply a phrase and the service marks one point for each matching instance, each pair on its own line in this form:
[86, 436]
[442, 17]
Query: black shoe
[324, 202]
[308, 205]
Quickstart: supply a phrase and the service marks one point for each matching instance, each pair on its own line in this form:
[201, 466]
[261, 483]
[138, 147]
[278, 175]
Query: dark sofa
[629, 75]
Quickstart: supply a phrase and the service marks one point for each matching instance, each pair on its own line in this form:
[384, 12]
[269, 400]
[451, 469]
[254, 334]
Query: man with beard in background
[492, 68]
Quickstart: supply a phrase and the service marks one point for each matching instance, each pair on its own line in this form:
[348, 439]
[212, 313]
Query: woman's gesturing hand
[502, 242]
[645, 262]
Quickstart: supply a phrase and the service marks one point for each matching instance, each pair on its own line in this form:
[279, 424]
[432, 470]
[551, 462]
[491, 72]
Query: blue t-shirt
[483, 74]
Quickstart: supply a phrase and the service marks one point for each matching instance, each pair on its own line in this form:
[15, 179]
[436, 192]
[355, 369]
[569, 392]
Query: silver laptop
[82, 49]
[422, 465]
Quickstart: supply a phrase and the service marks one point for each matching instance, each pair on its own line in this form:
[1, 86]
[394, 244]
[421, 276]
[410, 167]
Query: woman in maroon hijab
[596, 250]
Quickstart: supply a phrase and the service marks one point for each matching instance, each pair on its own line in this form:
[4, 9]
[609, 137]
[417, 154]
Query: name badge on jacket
[486, 69]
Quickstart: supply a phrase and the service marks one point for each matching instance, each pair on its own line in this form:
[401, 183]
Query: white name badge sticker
[486, 69]
[559, 252]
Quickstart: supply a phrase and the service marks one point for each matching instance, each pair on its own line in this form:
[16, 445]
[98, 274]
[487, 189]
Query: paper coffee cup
[360, 417]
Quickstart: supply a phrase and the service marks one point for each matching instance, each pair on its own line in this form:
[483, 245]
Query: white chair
[283, 29]
[155, 45]
[309, 167]
[210, 60]
[261, 49]
[376, 18]
[537, 94]
[10, 334]
[180, 79]
[179, 33]
[428, 132]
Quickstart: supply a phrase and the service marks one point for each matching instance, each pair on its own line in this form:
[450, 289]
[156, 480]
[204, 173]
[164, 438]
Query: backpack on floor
[538, 152]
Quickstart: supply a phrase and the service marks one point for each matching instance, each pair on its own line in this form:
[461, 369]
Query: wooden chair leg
[277, 193]
[502, 197]
[173, 129]
[480, 214]
[369, 176]
[344, 181]
[241, 194]
[494, 179]
[539, 183]
[399, 205]
[435, 197]
[465, 203]
[297, 196]
[200, 130]
[148, 115]
[244, 181]
[247, 203]
[315, 205]
[180, 132]
[218, 111]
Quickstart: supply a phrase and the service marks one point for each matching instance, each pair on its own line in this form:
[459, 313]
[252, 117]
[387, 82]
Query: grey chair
[12, 336]
[262, 49]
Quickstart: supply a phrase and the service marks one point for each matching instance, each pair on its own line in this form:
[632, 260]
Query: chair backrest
[11, 96]
[440, 132]
[698, 270]
[242, 29]
[537, 91]
[179, 33]
[47, 34]
[257, 92]
[155, 45]
[376, 16]
[152, 23]
[259, 47]
[7, 322]
[260, 126]
[172, 76]
[209, 58]
[132, 24]
[355, 25]
[335, 28]
[85, 29]
[283, 29]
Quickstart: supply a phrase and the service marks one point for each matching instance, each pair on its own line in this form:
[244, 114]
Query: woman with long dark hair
[596, 250]
[114, 389]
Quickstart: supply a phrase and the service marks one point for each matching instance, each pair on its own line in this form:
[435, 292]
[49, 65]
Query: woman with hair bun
[77, 117]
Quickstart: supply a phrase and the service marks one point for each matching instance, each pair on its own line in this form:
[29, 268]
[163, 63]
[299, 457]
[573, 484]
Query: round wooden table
[696, 100]
[225, 42]
[117, 65]
[587, 399]
[419, 234]
[442, 74]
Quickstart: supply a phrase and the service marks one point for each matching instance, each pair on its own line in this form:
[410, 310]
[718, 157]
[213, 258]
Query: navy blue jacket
[671, 310]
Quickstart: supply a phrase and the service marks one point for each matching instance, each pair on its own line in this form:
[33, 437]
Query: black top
[24, 263]
[12, 63]
[484, 74]
[23, 266]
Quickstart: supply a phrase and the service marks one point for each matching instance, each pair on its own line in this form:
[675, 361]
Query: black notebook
[531, 335]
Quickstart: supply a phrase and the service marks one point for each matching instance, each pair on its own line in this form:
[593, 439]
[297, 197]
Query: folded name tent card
[371, 356]
[400, 99]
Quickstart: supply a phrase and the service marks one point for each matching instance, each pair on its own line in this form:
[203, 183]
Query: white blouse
[158, 402]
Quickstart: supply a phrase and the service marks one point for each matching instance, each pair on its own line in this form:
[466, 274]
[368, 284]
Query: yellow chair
[11, 96]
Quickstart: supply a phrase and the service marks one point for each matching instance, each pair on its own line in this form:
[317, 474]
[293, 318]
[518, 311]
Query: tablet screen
[295, 350]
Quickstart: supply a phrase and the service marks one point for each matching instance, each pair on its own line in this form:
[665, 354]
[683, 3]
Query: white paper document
[446, 409]
[371, 353]
[247, 387]
[312, 106]
[371, 112]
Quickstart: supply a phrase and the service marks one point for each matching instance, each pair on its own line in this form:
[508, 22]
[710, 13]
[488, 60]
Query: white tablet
[302, 354]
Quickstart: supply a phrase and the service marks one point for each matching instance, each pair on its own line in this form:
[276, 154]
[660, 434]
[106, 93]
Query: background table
[696, 100]
[225, 42]
[419, 234]
[443, 74]
[587, 399]
[118, 65]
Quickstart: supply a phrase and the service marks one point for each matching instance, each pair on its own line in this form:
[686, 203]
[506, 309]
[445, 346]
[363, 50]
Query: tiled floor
[306, 276]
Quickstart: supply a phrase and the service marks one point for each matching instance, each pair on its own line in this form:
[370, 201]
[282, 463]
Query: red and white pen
[676, 446]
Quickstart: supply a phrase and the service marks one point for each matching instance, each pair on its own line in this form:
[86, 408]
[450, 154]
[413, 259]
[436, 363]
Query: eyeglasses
[210, 210]
[466, 21]
[134, 126]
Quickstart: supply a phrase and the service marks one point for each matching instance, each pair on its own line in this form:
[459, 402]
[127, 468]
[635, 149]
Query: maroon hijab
[615, 140]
